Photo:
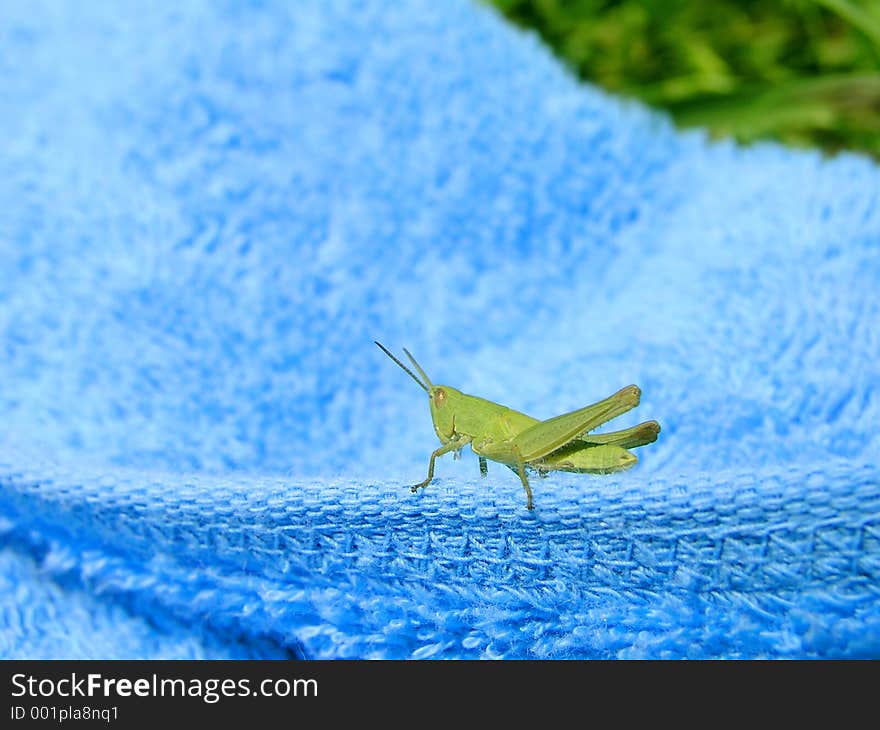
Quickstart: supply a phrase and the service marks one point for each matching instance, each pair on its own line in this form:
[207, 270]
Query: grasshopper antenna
[418, 367]
[405, 368]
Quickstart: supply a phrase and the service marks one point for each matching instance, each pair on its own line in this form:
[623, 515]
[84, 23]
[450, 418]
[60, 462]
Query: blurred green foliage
[806, 72]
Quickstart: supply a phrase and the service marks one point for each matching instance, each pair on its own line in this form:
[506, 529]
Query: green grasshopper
[519, 441]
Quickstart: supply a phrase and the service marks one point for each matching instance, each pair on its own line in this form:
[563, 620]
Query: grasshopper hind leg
[484, 468]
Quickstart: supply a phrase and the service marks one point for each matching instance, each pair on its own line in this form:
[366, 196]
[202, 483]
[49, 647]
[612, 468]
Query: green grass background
[805, 72]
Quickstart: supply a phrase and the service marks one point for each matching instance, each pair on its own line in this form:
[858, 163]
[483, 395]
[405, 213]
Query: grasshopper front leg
[457, 442]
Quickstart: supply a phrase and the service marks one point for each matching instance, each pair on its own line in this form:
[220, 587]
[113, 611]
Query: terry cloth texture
[208, 212]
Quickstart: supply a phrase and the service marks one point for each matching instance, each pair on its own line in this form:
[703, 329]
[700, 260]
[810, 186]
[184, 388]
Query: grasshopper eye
[439, 396]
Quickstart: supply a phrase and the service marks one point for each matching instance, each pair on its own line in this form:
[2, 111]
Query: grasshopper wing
[547, 436]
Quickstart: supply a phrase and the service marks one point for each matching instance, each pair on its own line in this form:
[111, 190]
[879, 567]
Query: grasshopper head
[442, 398]
[443, 401]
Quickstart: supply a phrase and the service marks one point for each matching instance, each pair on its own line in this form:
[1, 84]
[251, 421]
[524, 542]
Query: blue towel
[209, 211]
